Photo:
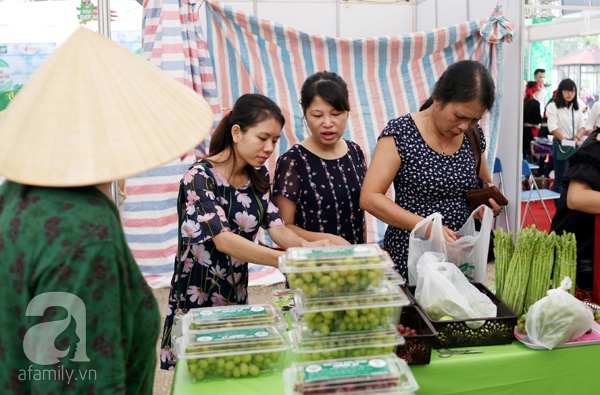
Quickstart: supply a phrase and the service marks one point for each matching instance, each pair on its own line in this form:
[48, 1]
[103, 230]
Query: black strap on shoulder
[475, 141]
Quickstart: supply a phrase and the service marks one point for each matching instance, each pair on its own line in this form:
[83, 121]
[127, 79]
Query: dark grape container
[416, 349]
[471, 332]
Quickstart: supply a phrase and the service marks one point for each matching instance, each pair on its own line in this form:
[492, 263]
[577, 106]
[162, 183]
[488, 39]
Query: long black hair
[462, 82]
[249, 110]
[566, 85]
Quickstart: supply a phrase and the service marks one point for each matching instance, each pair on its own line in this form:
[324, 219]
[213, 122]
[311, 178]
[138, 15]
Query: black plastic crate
[470, 332]
[417, 348]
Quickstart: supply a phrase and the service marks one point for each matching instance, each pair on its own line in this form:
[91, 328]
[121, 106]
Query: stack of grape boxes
[345, 307]
[233, 341]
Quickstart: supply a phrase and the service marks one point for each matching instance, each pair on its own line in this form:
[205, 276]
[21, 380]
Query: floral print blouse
[208, 205]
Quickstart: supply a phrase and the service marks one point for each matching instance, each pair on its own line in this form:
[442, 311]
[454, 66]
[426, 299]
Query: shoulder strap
[475, 141]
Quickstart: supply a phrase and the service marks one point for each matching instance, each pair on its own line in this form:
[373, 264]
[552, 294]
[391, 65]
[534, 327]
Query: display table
[507, 369]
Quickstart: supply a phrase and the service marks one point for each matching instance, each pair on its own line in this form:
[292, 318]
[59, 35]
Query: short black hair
[537, 71]
[328, 86]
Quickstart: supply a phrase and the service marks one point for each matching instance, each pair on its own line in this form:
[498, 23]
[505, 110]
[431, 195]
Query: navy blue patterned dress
[428, 182]
[326, 191]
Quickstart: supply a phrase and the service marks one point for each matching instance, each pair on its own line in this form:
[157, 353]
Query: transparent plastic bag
[442, 290]
[469, 252]
[558, 317]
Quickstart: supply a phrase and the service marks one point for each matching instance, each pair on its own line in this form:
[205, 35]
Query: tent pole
[104, 29]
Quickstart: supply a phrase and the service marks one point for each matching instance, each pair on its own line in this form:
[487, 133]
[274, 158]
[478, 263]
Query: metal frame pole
[104, 29]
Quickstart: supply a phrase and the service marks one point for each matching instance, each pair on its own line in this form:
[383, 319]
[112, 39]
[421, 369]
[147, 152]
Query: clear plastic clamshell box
[358, 344]
[378, 375]
[368, 310]
[232, 353]
[392, 275]
[334, 270]
[234, 316]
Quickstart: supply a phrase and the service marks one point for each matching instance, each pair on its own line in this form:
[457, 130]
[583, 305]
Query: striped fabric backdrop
[172, 39]
[386, 76]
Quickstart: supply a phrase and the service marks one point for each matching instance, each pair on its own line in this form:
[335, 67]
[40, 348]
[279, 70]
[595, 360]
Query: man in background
[539, 75]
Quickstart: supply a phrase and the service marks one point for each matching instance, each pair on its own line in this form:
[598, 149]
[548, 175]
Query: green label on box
[235, 334]
[358, 367]
[342, 252]
[231, 312]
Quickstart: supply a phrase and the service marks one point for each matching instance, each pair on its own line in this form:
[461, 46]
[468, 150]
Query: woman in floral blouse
[223, 200]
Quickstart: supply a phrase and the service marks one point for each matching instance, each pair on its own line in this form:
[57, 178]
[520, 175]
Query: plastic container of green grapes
[343, 345]
[336, 270]
[234, 316]
[366, 311]
[217, 354]
[377, 375]
[392, 275]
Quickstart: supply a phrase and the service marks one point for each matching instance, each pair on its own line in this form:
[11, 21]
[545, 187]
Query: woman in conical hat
[75, 301]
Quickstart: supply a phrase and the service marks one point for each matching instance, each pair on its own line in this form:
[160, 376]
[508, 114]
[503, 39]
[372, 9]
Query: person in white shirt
[593, 120]
[566, 123]
[539, 75]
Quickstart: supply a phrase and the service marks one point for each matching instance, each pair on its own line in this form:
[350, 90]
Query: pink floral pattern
[208, 206]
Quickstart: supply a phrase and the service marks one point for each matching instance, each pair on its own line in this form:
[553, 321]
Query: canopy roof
[587, 55]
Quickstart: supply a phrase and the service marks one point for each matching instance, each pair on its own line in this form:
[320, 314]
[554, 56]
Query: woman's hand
[318, 243]
[336, 240]
[448, 233]
[496, 208]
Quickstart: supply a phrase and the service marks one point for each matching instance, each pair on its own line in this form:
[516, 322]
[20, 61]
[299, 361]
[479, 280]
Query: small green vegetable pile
[526, 270]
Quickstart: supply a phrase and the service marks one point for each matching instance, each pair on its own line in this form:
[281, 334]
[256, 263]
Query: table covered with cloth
[503, 369]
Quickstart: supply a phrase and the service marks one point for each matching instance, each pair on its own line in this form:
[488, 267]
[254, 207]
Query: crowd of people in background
[568, 115]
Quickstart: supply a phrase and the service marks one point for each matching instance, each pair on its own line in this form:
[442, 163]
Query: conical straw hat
[96, 112]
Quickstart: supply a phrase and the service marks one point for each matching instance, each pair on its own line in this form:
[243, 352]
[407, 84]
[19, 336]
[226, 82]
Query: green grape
[253, 370]
[229, 365]
[236, 372]
[297, 283]
[258, 358]
[324, 329]
[199, 374]
[246, 358]
[244, 369]
[307, 277]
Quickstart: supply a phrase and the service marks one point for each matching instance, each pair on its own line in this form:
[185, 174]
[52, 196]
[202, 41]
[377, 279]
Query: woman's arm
[582, 197]
[384, 166]
[286, 237]
[245, 250]
[552, 114]
[592, 120]
[287, 210]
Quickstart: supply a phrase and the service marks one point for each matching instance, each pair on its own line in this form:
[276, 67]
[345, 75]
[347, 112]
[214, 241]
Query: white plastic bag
[469, 252]
[558, 318]
[442, 290]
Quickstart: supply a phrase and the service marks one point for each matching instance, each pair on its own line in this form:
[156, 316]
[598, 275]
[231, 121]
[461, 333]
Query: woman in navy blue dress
[430, 161]
[317, 182]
